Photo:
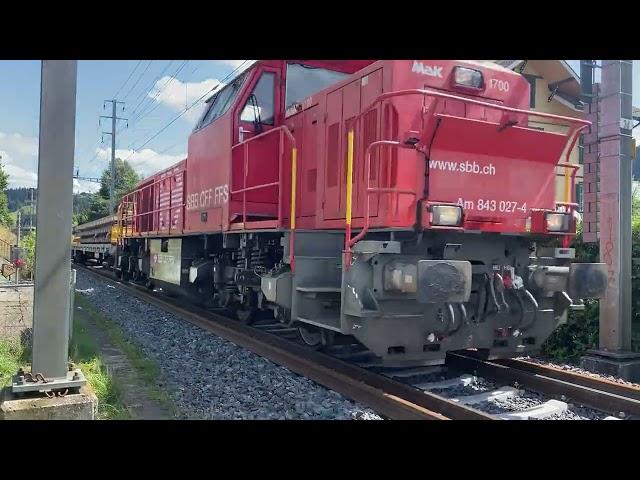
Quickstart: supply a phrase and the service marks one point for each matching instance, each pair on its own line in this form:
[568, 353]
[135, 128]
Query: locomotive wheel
[310, 335]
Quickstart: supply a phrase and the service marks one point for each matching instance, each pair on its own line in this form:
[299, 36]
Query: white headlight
[558, 222]
[467, 77]
[446, 215]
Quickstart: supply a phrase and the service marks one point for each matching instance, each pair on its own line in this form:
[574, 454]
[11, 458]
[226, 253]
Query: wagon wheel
[310, 335]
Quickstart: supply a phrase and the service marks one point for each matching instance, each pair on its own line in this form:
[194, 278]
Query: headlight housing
[558, 222]
[468, 78]
[446, 215]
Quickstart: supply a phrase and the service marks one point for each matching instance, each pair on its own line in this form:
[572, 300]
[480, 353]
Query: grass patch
[84, 351]
[12, 354]
[146, 369]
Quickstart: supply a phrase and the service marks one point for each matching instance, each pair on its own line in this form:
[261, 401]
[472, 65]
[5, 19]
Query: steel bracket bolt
[76, 376]
[21, 379]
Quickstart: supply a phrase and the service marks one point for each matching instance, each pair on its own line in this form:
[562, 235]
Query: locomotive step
[319, 289]
[331, 323]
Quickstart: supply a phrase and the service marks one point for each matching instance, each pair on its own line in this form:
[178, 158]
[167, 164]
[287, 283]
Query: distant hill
[19, 199]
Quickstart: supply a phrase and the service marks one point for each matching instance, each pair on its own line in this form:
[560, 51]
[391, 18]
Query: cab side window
[260, 104]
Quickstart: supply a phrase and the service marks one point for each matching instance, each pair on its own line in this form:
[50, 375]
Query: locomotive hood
[484, 149]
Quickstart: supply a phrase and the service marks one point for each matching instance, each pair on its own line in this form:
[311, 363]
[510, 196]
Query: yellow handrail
[567, 185]
[292, 214]
[294, 173]
[349, 175]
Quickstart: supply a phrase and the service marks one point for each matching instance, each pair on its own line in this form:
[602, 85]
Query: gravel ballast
[210, 378]
[523, 401]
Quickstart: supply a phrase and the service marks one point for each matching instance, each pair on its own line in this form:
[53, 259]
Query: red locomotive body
[415, 157]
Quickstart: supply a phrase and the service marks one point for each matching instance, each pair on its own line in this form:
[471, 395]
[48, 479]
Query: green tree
[126, 180]
[97, 205]
[5, 218]
[580, 333]
[98, 208]
[29, 244]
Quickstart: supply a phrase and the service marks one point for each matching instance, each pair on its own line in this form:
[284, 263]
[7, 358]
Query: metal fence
[5, 250]
[16, 312]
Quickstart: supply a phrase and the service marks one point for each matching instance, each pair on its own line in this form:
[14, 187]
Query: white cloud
[23, 177]
[15, 153]
[16, 143]
[18, 176]
[145, 161]
[177, 95]
[232, 63]
[237, 63]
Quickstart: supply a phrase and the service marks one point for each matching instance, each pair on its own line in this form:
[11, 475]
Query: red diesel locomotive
[401, 203]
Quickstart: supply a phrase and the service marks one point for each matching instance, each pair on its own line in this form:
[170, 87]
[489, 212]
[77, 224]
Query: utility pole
[32, 212]
[52, 289]
[114, 118]
[613, 218]
[19, 224]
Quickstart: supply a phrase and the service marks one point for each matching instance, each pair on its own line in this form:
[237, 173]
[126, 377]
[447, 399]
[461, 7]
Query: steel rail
[589, 394]
[585, 380]
[388, 397]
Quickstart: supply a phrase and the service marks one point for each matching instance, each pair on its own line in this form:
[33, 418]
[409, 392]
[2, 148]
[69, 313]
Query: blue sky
[155, 92]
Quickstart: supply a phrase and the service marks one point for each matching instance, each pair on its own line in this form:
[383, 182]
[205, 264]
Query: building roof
[564, 82]
[508, 63]
[568, 91]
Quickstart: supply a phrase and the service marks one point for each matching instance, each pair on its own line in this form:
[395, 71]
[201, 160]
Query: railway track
[417, 393]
